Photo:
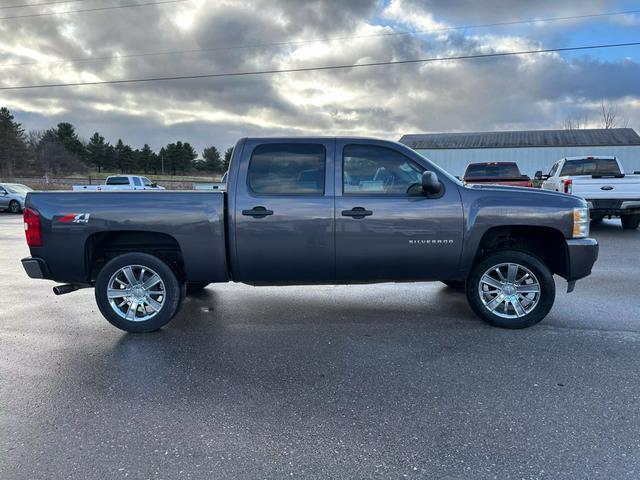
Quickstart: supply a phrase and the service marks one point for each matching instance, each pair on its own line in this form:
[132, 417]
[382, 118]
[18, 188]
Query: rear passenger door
[283, 213]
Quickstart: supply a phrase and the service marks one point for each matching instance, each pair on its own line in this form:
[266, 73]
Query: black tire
[14, 206]
[547, 290]
[630, 222]
[454, 284]
[172, 290]
[195, 287]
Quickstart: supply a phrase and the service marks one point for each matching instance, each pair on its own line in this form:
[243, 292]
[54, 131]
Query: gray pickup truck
[312, 211]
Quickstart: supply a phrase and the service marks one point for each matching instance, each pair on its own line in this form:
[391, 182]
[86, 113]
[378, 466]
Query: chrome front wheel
[509, 290]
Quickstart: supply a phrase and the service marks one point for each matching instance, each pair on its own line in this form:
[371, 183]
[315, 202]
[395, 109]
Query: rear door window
[137, 182]
[287, 169]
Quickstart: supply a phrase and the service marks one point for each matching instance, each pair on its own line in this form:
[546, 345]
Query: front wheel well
[548, 244]
[102, 247]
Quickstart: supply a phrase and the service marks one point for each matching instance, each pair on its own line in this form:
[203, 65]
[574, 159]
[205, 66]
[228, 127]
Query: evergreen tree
[13, 146]
[97, 152]
[67, 135]
[211, 160]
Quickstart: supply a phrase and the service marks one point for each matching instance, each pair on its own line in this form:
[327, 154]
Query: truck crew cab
[313, 211]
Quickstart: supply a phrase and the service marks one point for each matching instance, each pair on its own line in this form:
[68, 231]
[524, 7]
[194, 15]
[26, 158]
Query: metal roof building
[531, 149]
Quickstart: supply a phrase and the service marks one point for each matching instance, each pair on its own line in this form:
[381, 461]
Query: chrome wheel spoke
[517, 306]
[118, 292]
[153, 304]
[153, 280]
[512, 272]
[486, 279]
[131, 311]
[529, 288]
[493, 304]
[128, 273]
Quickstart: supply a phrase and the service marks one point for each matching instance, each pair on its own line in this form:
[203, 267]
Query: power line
[303, 42]
[323, 68]
[96, 9]
[43, 4]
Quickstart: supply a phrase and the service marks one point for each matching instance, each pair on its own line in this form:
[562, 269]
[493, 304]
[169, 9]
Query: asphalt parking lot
[385, 381]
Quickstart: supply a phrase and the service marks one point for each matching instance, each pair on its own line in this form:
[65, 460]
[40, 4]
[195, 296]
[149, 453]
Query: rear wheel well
[548, 244]
[102, 247]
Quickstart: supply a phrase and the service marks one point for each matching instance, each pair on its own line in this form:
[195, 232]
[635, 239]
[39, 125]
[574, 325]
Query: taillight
[568, 185]
[32, 228]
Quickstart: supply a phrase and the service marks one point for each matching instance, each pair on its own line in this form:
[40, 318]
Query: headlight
[580, 222]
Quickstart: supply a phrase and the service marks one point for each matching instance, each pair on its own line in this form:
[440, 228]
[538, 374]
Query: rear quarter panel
[194, 219]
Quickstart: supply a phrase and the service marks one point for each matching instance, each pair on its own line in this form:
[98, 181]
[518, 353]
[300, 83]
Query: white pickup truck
[121, 182]
[601, 181]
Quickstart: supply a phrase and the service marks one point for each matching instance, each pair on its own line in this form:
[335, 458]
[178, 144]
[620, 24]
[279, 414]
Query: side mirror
[154, 185]
[430, 183]
[538, 175]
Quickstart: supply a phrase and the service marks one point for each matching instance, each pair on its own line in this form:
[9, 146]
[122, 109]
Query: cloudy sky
[220, 36]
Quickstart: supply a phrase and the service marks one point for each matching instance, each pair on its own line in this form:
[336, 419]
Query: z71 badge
[79, 218]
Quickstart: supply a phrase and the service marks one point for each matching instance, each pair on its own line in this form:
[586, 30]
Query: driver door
[385, 229]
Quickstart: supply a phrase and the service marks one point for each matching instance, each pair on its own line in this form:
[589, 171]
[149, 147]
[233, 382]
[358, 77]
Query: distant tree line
[60, 151]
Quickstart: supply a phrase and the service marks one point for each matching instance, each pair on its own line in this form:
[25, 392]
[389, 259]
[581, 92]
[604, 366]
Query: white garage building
[531, 149]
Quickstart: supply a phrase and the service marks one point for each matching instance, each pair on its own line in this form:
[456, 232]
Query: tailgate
[626, 188]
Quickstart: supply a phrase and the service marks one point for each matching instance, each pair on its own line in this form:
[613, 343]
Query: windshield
[476, 170]
[440, 171]
[17, 188]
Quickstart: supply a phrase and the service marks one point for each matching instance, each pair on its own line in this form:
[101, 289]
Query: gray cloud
[514, 92]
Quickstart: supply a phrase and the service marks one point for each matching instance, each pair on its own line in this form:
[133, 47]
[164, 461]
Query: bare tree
[610, 117]
[609, 114]
[575, 122]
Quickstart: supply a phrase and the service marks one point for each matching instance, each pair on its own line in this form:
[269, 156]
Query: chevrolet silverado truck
[601, 181]
[312, 211]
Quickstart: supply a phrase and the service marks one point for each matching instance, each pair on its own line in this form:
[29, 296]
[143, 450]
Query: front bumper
[582, 254]
[35, 267]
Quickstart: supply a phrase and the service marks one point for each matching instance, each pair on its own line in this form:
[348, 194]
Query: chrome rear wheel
[136, 293]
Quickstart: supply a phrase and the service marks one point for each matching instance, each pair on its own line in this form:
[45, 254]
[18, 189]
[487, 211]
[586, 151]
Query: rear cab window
[492, 170]
[287, 169]
[137, 182]
[591, 166]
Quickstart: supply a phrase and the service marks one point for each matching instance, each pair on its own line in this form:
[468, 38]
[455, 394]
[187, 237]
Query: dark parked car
[313, 211]
[497, 173]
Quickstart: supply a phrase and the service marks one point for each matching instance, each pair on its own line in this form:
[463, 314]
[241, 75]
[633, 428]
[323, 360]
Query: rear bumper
[35, 267]
[613, 207]
[582, 254]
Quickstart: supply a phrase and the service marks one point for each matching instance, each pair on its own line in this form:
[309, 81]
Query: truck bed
[72, 223]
